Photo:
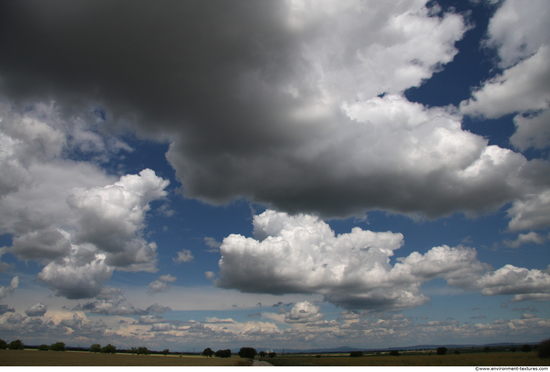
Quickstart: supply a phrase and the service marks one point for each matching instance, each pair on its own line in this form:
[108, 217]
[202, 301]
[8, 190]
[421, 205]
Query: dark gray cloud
[5, 309]
[156, 308]
[273, 102]
[42, 244]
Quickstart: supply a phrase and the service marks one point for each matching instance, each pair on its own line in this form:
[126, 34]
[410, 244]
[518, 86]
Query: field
[76, 358]
[468, 359]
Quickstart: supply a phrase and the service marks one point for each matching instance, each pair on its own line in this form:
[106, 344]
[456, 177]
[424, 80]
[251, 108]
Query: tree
[166, 352]
[526, 348]
[58, 346]
[95, 348]
[134, 350]
[44, 347]
[486, 349]
[142, 350]
[544, 349]
[441, 350]
[208, 352]
[3, 345]
[272, 354]
[223, 353]
[262, 354]
[247, 352]
[16, 345]
[109, 349]
[356, 354]
[394, 353]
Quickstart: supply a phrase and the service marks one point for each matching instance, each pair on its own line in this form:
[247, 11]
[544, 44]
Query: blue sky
[274, 174]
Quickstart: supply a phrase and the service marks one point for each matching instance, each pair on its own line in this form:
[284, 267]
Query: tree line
[543, 350]
[245, 352]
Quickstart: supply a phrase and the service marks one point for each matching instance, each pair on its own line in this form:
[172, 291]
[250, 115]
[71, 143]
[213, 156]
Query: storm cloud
[291, 104]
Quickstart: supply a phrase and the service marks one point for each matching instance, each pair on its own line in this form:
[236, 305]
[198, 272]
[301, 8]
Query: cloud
[108, 223]
[212, 243]
[317, 102]
[69, 215]
[523, 86]
[157, 287]
[209, 275]
[529, 238]
[518, 31]
[531, 131]
[4, 291]
[156, 308]
[37, 310]
[301, 254]
[304, 95]
[48, 243]
[151, 319]
[529, 308]
[216, 320]
[111, 303]
[530, 213]
[78, 276]
[304, 312]
[112, 217]
[168, 278]
[184, 256]
[161, 284]
[5, 309]
[523, 283]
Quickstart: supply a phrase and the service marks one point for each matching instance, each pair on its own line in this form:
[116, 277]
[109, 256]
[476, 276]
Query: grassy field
[75, 358]
[83, 358]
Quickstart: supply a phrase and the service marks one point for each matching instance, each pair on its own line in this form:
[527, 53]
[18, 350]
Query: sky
[275, 174]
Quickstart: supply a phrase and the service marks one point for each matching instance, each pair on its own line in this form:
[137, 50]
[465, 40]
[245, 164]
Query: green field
[76, 358]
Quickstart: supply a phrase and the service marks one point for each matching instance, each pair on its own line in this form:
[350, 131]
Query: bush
[109, 349]
[356, 354]
[526, 348]
[544, 349]
[58, 346]
[16, 345]
[394, 353]
[274, 354]
[441, 350]
[3, 345]
[457, 352]
[223, 353]
[95, 348]
[44, 347]
[247, 352]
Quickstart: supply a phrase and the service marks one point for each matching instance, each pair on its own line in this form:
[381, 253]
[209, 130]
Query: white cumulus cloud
[301, 254]
[184, 256]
